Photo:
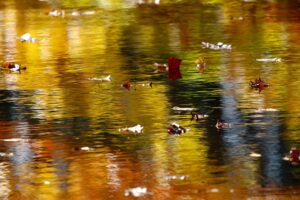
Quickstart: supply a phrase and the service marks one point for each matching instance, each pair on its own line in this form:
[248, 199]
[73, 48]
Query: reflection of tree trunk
[9, 109]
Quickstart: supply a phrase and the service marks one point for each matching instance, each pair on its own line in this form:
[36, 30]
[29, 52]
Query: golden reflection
[10, 33]
[66, 124]
[4, 181]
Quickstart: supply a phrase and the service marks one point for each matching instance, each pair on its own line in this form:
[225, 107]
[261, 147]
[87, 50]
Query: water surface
[59, 135]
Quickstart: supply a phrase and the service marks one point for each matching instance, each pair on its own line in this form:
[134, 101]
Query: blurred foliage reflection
[59, 122]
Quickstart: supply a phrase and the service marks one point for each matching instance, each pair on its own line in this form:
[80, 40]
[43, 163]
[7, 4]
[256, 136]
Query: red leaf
[174, 68]
[127, 84]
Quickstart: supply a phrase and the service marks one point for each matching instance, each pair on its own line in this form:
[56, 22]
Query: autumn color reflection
[112, 105]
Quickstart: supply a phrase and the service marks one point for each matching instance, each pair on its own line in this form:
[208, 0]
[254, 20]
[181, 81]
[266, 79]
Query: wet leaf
[176, 108]
[27, 38]
[135, 129]
[295, 155]
[86, 149]
[218, 46]
[161, 67]
[136, 192]
[174, 68]
[176, 129]
[6, 154]
[176, 178]
[144, 84]
[256, 155]
[268, 59]
[213, 190]
[197, 116]
[127, 84]
[106, 78]
[56, 13]
[13, 67]
[47, 182]
[200, 64]
[258, 84]
[222, 125]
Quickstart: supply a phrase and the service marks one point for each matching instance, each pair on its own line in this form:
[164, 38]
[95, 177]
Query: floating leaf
[144, 84]
[47, 182]
[136, 192]
[86, 149]
[268, 59]
[56, 13]
[218, 46]
[135, 129]
[27, 38]
[183, 108]
[176, 177]
[200, 64]
[197, 116]
[258, 84]
[107, 78]
[13, 67]
[256, 155]
[174, 68]
[222, 125]
[176, 129]
[161, 67]
[295, 155]
[127, 84]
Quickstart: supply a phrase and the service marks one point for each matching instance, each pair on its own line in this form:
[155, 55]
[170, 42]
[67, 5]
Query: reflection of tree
[261, 33]
[63, 110]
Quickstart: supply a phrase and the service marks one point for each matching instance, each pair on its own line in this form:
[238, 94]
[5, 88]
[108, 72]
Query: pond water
[59, 124]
